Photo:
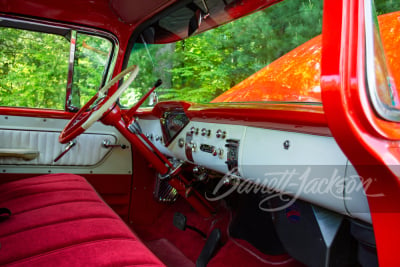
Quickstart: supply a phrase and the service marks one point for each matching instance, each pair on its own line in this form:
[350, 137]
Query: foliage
[34, 66]
[386, 6]
[91, 56]
[32, 75]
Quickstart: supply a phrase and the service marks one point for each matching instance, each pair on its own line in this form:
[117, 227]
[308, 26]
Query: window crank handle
[70, 145]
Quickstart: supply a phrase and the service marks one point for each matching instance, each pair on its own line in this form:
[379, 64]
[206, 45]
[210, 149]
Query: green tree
[91, 57]
[32, 74]
[386, 6]
[34, 68]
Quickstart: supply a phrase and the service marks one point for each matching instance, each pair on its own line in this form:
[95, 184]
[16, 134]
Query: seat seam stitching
[49, 191]
[57, 203]
[57, 250]
[55, 223]
[41, 183]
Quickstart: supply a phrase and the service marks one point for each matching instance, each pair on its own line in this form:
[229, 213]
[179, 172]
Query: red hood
[296, 75]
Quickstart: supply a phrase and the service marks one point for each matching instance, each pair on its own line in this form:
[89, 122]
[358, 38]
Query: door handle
[25, 154]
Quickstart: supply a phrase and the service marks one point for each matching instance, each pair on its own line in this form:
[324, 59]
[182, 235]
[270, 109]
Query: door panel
[87, 156]
[87, 150]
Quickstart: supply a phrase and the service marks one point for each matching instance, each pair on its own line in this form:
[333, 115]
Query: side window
[382, 27]
[35, 67]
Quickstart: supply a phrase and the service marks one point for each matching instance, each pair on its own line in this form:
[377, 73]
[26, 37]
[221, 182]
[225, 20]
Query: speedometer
[172, 123]
[176, 123]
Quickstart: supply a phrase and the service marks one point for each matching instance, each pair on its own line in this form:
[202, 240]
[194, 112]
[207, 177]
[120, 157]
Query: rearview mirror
[195, 21]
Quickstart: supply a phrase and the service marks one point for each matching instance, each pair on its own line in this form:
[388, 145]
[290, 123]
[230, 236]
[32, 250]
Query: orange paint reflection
[296, 75]
[389, 25]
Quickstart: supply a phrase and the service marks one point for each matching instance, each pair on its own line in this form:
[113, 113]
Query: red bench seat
[59, 220]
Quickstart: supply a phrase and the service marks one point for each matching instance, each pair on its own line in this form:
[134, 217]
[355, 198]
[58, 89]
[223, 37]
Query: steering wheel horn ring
[85, 117]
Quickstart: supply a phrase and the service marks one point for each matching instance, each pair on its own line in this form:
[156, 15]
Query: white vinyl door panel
[41, 135]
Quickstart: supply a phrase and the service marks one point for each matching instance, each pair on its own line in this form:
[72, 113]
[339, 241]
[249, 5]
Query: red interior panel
[132, 11]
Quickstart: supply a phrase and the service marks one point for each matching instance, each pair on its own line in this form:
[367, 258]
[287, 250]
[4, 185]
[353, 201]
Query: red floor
[167, 241]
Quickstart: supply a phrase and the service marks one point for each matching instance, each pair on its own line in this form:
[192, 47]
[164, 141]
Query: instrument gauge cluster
[172, 123]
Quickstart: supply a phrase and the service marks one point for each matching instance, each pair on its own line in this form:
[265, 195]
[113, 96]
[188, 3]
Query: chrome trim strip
[70, 79]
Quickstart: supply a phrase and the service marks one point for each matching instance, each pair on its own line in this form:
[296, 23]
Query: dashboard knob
[149, 136]
[205, 132]
[221, 134]
[181, 142]
[220, 153]
[196, 170]
[194, 130]
[193, 146]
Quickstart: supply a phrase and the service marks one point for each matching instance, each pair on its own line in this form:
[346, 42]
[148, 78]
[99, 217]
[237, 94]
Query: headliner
[108, 15]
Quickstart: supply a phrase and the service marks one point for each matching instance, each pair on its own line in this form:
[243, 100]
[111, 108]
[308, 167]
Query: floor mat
[234, 252]
[238, 253]
[256, 226]
[189, 242]
[168, 253]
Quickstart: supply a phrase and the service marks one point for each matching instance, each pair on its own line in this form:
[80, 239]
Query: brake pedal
[179, 222]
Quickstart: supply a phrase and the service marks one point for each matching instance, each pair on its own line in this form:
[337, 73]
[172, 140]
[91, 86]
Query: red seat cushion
[59, 220]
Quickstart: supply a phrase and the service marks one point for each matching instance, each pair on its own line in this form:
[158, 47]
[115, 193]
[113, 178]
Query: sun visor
[135, 11]
[176, 24]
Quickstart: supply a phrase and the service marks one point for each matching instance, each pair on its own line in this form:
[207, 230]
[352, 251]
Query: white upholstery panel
[87, 151]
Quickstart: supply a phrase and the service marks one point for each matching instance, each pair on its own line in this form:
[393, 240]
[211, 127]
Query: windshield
[247, 60]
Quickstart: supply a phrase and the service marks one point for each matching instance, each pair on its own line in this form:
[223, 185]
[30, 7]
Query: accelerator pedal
[209, 248]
